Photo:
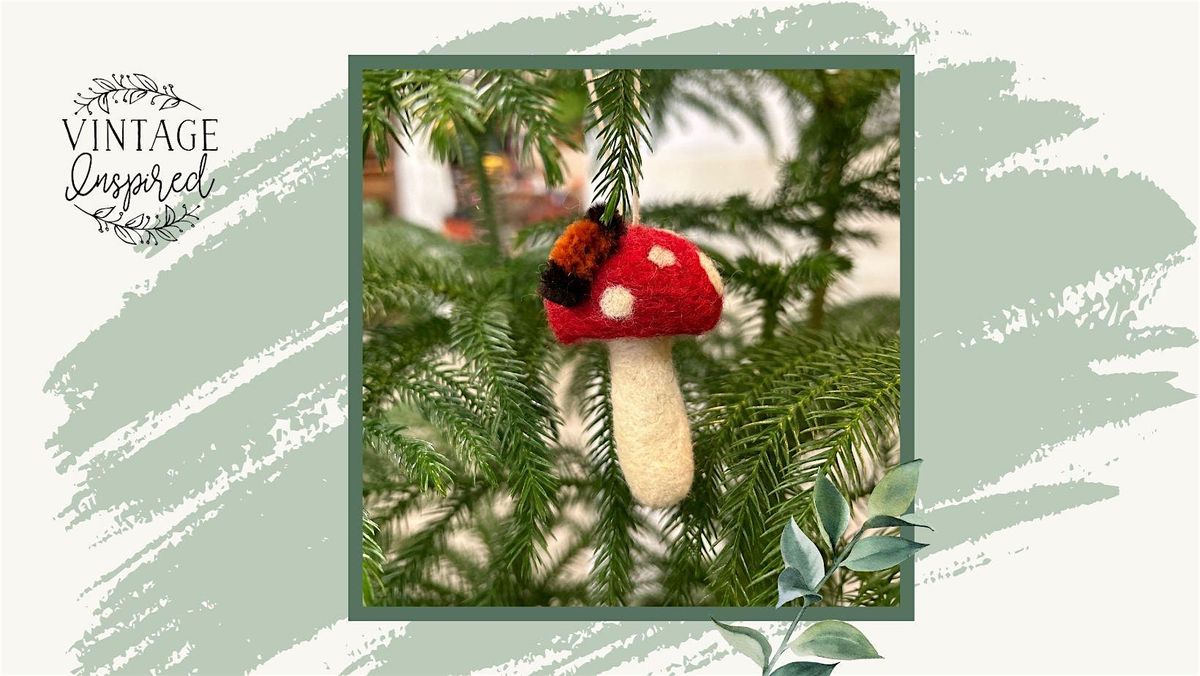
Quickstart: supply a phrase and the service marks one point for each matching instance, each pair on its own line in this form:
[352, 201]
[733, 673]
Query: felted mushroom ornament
[635, 288]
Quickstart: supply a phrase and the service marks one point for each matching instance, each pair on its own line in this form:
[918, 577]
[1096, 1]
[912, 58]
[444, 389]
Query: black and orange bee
[576, 256]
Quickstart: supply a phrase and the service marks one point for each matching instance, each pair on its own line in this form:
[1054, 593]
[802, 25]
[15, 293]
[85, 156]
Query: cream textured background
[1127, 64]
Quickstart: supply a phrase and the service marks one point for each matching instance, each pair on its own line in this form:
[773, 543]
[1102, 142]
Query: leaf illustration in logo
[145, 81]
[103, 213]
[169, 103]
[104, 84]
[124, 234]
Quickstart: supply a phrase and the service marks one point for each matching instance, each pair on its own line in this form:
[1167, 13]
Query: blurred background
[695, 156]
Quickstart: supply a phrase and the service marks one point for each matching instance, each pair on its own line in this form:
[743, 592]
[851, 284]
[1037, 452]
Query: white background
[1134, 66]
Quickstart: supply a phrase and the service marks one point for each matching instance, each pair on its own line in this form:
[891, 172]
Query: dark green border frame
[357, 63]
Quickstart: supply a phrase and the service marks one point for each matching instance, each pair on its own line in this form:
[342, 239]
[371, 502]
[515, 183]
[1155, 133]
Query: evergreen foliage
[475, 492]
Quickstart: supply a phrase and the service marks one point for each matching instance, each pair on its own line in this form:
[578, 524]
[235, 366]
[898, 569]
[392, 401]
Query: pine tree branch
[389, 350]
[421, 462]
[443, 397]
[372, 561]
[791, 433]
[480, 333]
[621, 129]
[410, 566]
[773, 285]
[733, 395]
[521, 106]
[616, 527]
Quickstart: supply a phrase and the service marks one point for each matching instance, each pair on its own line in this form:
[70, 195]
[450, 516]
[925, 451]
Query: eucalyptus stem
[788, 636]
[838, 558]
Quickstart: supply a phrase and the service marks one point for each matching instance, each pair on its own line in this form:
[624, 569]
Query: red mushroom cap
[656, 284]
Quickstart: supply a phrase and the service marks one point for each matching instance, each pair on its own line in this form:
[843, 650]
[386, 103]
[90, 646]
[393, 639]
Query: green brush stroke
[208, 593]
[985, 246]
[214, 438]
[552, 645]
[1005, 124]
[260, 567]
[222, 304]
[562, 33]
[829, 28]
[258, 543]
[974, 520]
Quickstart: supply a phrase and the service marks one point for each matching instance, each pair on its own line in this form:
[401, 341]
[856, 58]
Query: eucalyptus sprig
[144, 228]
[805, 573]
[128, 88]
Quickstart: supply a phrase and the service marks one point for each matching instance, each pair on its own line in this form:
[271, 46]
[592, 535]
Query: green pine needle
[621, 130]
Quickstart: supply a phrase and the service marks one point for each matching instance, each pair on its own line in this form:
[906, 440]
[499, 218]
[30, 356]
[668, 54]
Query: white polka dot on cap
[616, 302]
[661, 256]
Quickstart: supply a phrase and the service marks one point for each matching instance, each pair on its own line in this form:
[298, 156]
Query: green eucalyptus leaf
[792, 586]
[805, 669]
[833, 512]
[835, 640]
[746, 641]
[880, 552]
[885, 521]
[800, 553]
[895, 491]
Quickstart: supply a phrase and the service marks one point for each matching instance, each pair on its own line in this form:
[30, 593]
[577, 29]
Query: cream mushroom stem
[650, 425]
